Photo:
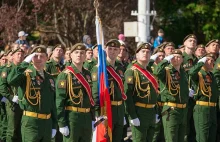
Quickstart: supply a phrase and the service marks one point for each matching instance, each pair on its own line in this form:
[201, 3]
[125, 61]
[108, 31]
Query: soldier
[13, 110]
[168, 47]
[213, 46]
[206, 96]
[216, 72]
[89, 54]
[122, 54]
[55, 65]
[3, 117]
[200, 51]
[67, 58]
[174, 93]
[116, 89]
[141, 89]
[156, 58]
[36, 94]
[74, 100]
[189, 59]
[89, 64]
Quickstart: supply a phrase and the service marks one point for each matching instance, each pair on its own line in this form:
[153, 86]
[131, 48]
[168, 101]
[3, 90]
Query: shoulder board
[66, 71]
[89, 61]
[167, 68]
[134, 61]
[28, 70]
[133, 68]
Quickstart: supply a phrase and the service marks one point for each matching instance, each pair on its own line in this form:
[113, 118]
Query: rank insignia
[94, 76]
[62, 84]
[129, 80]
[4, 74]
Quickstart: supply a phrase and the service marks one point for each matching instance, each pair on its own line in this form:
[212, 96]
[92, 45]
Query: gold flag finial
[96, 5]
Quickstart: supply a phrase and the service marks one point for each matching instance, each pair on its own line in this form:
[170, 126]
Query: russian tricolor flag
[103, 132]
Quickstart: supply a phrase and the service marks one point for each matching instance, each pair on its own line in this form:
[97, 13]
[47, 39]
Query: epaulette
[28, 70]
[134, 61]
[133, 68]
[89, 61]
[66, 71]
[8, 65]
[167, 68]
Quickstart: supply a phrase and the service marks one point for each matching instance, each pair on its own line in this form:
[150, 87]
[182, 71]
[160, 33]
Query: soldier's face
[89, 55]
[58, 52]
[190, 43]
[168, 50]
[160, 57]
[143, 55]
[209, 64]
[112, 52]
[39, 60]
[200, 52]
[122, 53]
[213, 48]
[3, 61]
[95, 52]
[18, 57]
[177, 60]
[67, 55]
[78, 56]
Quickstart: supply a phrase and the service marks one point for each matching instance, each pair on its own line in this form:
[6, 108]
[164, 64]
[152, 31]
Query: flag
[99, 135]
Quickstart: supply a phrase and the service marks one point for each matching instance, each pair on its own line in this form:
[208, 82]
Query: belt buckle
[87, 110]
[118, 103]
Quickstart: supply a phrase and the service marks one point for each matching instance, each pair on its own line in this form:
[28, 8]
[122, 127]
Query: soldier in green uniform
[156, 58]
[200, 51]
[116, 91]
[74, 100]
[36, 96]
[212, 46]
[89, 54]
[122, 55]
[55, 65]
[67, 58]
[141, 89]
[206, 96]
[13, 110]
[216, 71]
[89, 64]
[168, 47]
[189, 59]
[3, 116]
[174, 93]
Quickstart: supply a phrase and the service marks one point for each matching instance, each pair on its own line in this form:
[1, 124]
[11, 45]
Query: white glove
[15, 99]
[202, 60]
[3, 99]
[125, 121]
[29, 58]
[157, 119]
[168, 58]
[54, 131]
[64, 130]
[93, 128]
[154, 57]
[135, 122]
[191, 92]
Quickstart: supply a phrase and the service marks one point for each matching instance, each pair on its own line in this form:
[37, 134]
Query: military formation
[165, 95]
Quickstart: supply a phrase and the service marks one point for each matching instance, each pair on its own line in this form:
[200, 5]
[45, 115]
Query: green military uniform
[158, 133]
[206, 96]
[36, 99]
[216, 72]
[141, 101]
[3, 116]
[13, 110]
[36, 93]
[89, 64]
[73, 104]
[188, 62]
[54, 68]
[68, 63]
[174, 93]
[116, 97]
